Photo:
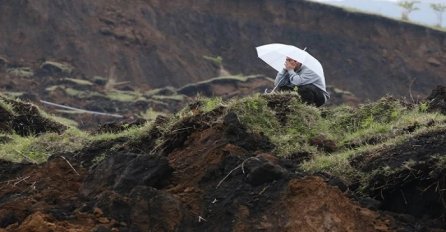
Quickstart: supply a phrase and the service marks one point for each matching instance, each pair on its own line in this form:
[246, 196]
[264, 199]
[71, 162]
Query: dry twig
[20, 180]
[71, 165]
[219, 183]
[239, 166]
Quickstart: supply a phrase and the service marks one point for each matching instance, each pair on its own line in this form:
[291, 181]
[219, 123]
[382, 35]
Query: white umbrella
[275, 55]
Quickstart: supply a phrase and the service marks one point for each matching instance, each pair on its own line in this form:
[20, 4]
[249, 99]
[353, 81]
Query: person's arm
[304, 77]
[279, 77]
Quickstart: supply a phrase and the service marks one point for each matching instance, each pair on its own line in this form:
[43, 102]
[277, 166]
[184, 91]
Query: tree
[439, 10]
[408, 7]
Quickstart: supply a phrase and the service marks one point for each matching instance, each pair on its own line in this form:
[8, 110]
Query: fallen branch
[20, 180]
[239, 166]
[71, 165]
[221, 181]
[180, 129]
[81, 110]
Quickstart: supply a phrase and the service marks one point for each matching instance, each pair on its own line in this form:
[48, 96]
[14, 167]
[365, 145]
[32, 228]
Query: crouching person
[310, 86]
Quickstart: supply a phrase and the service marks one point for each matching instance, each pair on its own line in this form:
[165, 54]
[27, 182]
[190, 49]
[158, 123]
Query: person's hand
[290, 64]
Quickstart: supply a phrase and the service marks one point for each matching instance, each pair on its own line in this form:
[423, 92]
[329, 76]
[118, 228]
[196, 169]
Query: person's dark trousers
[309, 94]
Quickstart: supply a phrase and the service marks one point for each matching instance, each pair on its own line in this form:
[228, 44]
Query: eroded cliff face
[157, 43]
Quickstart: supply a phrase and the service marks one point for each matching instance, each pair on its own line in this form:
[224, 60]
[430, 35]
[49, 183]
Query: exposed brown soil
[61, 88]
[415, 181]
[210, 174]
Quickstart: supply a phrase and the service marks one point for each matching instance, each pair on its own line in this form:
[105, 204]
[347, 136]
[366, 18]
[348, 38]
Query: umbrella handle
[275, 87]
[272, 91]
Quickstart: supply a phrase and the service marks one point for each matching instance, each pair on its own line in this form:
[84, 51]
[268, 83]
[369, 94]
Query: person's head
[293, 62]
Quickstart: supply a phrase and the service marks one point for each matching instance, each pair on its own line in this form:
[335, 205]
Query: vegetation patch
[21, 71]
[124, 96]
[177, 97]
[78, 81]
[56, 67]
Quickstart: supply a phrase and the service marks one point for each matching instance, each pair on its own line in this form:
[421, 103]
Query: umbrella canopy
[275, 54]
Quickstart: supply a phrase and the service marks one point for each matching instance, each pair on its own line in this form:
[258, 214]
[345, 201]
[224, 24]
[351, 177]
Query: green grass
[6, 106]
[14, 94]
[290, 138]
[21, 72]
[65, 68]
[176, 97]
[75, 93]
[79, 81]
[371, 127]
[218, 60]
[150, 114]
[39, 149]
[124, 96]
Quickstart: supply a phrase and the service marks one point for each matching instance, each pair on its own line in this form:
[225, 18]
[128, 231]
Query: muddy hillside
[260, 163]
[63, 90]
[156, 43]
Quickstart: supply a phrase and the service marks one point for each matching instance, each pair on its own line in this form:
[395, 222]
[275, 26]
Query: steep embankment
[261, 163]
[158, 43]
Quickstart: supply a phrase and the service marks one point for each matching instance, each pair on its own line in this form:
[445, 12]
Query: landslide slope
[265, 162]
[156, 43]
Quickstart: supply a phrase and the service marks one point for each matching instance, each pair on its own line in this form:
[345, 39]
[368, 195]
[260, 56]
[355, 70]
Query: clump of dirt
[122, 172]
[280, 104]
[25, 119]
[409, 178]
[236, 133]
[44, 198]
[323, 143]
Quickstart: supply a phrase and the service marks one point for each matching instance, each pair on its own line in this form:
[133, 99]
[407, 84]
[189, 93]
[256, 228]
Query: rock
[323, 143]
[97, 212]
[52, 67]
[434, 62]
[103, 220]
[260, 170]
[99, 80]
[124, 171]
[21, 71]
[236, 133]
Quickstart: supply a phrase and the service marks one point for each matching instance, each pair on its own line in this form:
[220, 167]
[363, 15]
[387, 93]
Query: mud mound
[43, 198]
[123, 172]
[118, 126]
[280, 104]
[25, 119]
[234, 131]
[408, 180]
[209, 174]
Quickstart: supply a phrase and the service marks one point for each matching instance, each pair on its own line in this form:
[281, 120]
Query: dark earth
[211, 174]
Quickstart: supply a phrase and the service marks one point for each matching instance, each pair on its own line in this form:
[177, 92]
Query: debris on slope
[207, 172]
[25, 119]
[409, 178]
